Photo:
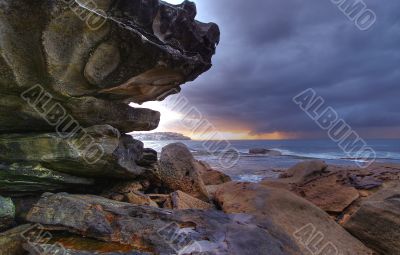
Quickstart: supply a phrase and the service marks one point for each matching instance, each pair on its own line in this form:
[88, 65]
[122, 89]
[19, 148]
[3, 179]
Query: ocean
[254, 168]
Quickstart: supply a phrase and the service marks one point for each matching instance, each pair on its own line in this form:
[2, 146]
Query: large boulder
[377, 222]
[311, 228]
[7, 213]
[92, 57]
[162, 231]
[179, 171]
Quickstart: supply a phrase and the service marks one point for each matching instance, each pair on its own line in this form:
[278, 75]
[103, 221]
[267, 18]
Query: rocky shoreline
[72, 182]
[196, 210]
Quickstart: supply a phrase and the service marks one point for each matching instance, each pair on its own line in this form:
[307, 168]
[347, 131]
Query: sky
[271, 50]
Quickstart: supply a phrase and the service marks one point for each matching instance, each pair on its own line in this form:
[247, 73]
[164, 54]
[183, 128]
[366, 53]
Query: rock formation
[155, 229]
[69, 69]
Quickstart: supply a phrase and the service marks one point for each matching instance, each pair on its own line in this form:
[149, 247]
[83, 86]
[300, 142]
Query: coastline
[255, 167]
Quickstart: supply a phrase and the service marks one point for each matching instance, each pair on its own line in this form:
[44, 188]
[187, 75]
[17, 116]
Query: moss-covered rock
[98, 151]
[25, 179]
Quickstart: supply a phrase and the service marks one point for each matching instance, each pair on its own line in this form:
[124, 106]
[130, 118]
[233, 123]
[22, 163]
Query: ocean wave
[198, 150]
[250, 178]
[326, 155]
[388, 155]
[336, 156]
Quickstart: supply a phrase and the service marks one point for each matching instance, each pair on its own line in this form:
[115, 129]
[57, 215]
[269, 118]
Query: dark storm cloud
[271, 50]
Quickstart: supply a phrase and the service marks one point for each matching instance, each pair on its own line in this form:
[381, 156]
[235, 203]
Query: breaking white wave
[250, 178]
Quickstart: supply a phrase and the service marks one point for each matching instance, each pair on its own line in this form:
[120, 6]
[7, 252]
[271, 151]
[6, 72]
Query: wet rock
[211, 176]
[377, 222]
[183, 201]
[276, 208]
[33, 249]
[158, 229]
[366, 182]
[98, 151]
[179, 171]
[65, 244]
[7, 213]
[11, 241]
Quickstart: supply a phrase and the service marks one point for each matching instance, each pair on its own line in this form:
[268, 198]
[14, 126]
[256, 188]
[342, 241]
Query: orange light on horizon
[220, 129]
[238, 135]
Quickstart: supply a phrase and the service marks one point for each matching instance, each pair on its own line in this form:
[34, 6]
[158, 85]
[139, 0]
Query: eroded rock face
[91, 56]
[83, 111]
[377, 222]
[53, 161]
[157, 229]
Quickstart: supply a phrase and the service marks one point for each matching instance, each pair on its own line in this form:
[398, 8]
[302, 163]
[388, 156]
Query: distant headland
[161, 136]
